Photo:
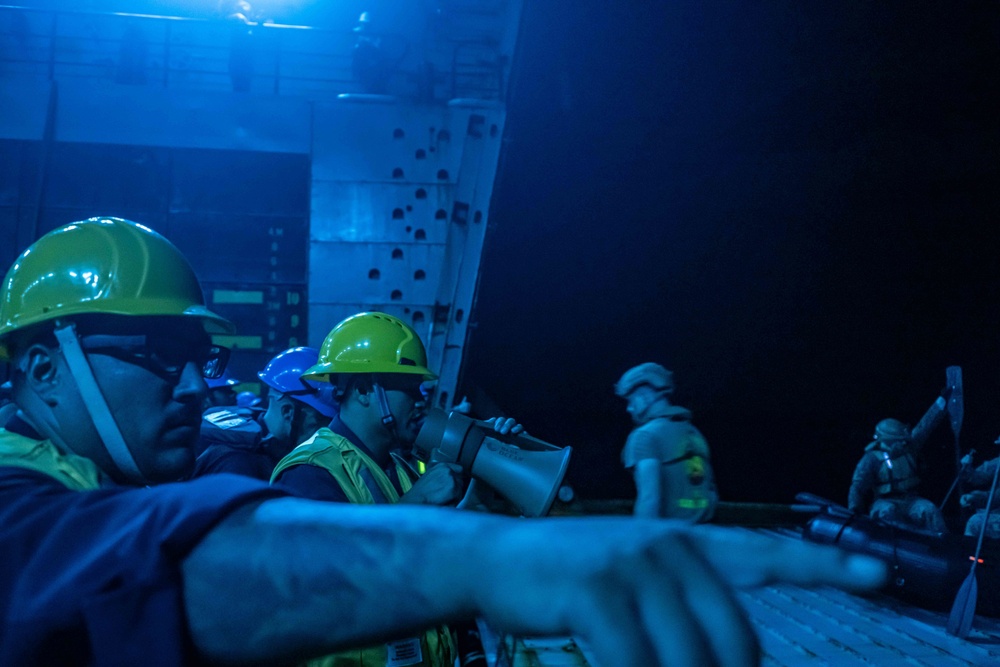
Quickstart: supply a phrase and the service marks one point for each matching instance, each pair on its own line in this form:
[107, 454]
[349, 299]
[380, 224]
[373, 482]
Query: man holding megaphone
[379, 366]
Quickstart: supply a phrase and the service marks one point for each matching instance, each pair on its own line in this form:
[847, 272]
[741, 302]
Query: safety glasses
[163, 355]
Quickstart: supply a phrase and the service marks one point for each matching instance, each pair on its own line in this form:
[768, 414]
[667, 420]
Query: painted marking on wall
[241, 342]
[237, 296]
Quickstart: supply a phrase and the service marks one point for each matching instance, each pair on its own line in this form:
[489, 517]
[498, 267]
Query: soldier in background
[982, 477]
[667, 455]
[886, 479]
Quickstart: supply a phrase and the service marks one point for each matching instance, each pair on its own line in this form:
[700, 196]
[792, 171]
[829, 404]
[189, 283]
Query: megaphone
[525, 470]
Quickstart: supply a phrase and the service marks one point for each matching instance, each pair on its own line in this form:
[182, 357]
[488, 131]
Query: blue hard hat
[284, 374]
[247, 399]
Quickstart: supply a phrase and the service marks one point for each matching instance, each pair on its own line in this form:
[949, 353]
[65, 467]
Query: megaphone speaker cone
[528, 479]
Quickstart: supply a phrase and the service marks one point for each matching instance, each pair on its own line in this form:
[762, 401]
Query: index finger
[750, 559]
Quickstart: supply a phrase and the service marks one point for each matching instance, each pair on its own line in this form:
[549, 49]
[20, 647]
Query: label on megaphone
[500, 449]
[530, 480]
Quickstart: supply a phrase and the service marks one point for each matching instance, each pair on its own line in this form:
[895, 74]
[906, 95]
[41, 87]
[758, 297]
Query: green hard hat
[101, 266]
[370, 343]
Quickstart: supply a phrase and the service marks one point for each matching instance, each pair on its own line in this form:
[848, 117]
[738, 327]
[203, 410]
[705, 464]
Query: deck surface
[813, 627]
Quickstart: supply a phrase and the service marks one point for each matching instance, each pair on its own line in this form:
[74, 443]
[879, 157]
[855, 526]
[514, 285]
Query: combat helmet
[653, 375]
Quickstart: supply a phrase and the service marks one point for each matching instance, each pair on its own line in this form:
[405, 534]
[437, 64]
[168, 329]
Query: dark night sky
[791, 205]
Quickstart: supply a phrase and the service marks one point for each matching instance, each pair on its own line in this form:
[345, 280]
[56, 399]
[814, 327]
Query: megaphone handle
[540, 443]
[473, 498]
[512, 439]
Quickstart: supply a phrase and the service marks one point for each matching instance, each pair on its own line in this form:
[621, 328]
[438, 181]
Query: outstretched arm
[290, 578]
[931, 419]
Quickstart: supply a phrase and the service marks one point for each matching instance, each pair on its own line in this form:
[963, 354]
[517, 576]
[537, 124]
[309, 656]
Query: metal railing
[206, 54]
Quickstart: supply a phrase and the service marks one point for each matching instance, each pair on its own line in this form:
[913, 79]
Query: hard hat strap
[388, 420]
[96, 406]
[383, 404]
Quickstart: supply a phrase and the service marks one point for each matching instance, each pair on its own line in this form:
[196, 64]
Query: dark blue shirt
[233, 442]
[93, 577]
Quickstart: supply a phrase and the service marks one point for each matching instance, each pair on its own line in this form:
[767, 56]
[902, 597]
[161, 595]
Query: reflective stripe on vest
[344, 461]
[896, 475]
[338, 456]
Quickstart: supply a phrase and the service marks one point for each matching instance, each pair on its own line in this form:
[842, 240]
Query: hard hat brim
[322, 372]
[214, 324]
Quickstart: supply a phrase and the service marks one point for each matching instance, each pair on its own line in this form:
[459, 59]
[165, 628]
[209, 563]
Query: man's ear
[41, 371]
[362, 392]
[312, 420]
[287, 411]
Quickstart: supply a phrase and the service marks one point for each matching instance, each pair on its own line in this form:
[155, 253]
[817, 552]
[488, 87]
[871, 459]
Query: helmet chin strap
[96, 406]
[643, 415]
[388, 420]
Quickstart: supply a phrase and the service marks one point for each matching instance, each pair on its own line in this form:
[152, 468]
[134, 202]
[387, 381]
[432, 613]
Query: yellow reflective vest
[344, 461]
[74, 472]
